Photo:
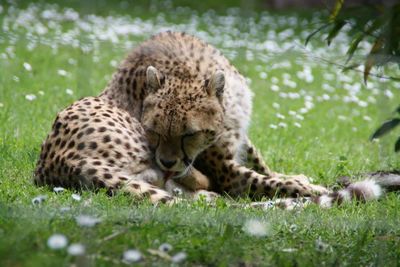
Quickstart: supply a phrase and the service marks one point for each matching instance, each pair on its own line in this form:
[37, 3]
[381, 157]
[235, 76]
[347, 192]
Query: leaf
[370, 61]
[386, 127]
[336, 9]
[397, 145]
[398, 109]
[353, 46]
[367, 67]
[335, 30]
[315, 32]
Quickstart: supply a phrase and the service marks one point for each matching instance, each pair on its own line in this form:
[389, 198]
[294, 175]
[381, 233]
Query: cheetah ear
[216, 84]
[152, 79]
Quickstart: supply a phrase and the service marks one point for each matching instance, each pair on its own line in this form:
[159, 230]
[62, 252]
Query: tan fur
[175, 108]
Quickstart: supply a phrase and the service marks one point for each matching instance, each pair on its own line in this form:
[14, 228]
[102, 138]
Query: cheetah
[174, 115]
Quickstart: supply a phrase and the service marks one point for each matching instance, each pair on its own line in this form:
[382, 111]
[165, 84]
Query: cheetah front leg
[256, 162]
[237, 179]
[144, 189]
[194, 185]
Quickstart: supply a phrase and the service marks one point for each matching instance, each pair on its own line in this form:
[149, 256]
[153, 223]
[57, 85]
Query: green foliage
[386, 127]
[378, 24]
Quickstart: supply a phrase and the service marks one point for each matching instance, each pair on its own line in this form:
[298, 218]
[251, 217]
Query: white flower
[326, 97]
[65, 209]
[293, 228]
[298, 125]
[328, 76]
[39, 199]
[1, 105]
[342, 118]
[263, 75]
[276, 105]
[165, 247]
[113, 63]
[87, 221]
[72, 61]
[275, 88]
[280, 116]
[15, 79]
[292, 113]
[57, 241]
[76, 197]
[362, 104]
[30, 97]
[256, 228]
[69, 91]
[303, 110]
[388, 94]
[283, 94]
[289, 250]
[273, 126]
[299, 117]
[320, 245]
[367, 118]
[309, 104]
[274, 80]
[132, 255]
[292, 95]
[179, 257]
[76, 249]
[41, 93]
[58, 189]
[27, 66]
[282, 125]
[62, 72]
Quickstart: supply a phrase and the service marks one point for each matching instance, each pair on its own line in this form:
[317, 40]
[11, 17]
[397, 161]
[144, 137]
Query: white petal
[87, 220]
[58, 189]
[165, 247]
[179, 257]
[27, 66]
[76, 197]
[39, 199]
[76, 249]
[132, 255]
[256, 228]
[30, 97]
[57, 241]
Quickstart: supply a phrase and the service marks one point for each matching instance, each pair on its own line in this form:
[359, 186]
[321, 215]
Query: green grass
[332, 141]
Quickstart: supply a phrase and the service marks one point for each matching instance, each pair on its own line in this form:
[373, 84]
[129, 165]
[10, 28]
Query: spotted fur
[175, 110]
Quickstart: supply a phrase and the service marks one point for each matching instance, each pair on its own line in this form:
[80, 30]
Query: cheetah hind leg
[255, 160]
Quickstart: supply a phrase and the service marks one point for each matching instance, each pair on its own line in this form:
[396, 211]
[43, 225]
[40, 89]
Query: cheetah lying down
[174, 115]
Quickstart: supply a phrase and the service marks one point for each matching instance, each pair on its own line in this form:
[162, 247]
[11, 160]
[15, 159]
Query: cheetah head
[181, 117]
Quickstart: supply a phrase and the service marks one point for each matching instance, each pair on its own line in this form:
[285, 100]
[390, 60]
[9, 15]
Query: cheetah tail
[373, 187]
[255, 160]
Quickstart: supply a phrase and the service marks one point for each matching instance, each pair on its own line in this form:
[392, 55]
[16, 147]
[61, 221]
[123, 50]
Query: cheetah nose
[168, 163]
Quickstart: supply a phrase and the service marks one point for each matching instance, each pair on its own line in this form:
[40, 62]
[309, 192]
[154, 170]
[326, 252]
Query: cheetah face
[181, 119]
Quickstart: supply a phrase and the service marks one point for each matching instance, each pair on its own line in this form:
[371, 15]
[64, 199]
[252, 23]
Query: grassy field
[309, 118]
